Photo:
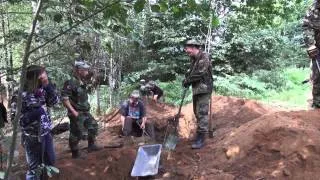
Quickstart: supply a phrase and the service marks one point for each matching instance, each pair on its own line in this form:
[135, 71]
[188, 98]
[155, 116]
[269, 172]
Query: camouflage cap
[193, 42]
[135, 94]
[81, 65]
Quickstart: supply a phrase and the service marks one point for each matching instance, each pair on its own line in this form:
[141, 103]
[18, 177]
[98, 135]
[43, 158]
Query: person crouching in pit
[133, 119]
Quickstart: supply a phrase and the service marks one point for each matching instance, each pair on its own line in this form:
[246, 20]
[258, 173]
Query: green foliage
[173, 92]
[295, 93]
[240, 85]
[139, 5]
[273, 80]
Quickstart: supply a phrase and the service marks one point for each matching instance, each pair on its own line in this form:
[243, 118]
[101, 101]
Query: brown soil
[251, 142]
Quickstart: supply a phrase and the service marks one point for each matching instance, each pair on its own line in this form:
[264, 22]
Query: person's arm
[123, 112]
[67, 104]
[143, 116]
[122, 119]
[65, 95]
[51, 95]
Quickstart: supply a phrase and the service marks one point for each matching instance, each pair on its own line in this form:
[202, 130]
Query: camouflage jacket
[34, 117]
[311, 26]
[77, 93]
[199, 74]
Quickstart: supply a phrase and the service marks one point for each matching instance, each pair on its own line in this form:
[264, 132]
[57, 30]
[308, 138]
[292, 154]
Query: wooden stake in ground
[210, 119]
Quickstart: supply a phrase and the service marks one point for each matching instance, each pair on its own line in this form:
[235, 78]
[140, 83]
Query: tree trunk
[22, 80]
[98, 101]
[209, 34]
[111, 81]
[5, 47]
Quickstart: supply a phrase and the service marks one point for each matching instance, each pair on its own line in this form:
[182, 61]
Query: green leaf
[163, 6]
[192, 4]
[215, 21]
[40, 18]
[57, 17]
[97, 25]
[155, 8]
[139, 5]
[70, 21]
[109, 47]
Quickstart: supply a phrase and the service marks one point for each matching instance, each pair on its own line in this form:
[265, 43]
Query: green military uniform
[311, 27]
[84, 126]
[200, 77]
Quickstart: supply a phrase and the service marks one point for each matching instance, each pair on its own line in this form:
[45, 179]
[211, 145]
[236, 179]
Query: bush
[274, 79]
[240, 85]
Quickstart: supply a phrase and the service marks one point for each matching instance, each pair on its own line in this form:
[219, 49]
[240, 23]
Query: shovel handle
[182, 99]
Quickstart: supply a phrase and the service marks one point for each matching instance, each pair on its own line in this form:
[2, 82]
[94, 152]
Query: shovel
[171, 136]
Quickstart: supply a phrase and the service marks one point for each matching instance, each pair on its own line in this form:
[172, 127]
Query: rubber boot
[199, 141]
[92, 146]
[76, 154]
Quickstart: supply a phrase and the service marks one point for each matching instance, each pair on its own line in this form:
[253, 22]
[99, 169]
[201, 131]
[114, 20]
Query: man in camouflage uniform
[311, 27]
[199, 76]
[75, 98]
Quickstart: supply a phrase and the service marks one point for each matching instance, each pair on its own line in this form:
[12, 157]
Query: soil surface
[251, 141]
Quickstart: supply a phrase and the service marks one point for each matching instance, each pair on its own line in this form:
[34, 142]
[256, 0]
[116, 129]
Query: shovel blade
[171, 142]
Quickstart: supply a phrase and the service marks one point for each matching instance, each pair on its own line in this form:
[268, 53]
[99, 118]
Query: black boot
[92, 146]
[199, 141]
[76, 154]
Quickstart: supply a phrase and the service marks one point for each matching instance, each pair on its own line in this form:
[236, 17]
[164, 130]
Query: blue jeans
[34, 150]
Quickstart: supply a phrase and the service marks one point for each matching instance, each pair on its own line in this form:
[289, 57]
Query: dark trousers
[315, 83]
[34, 151]
[81, 128]
[132, 128]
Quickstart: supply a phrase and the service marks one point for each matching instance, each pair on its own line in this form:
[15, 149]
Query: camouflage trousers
[201, 110]
[81, 128]
[315, 84]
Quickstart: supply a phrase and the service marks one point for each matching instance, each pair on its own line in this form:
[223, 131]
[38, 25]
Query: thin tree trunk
[111, 80]
[4, 33]
[209, 34]
[98, 101]
[11, 85]
[22, 80]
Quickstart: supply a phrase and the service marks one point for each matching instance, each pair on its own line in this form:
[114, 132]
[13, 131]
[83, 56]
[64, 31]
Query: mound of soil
[227, 113]
[281, 145]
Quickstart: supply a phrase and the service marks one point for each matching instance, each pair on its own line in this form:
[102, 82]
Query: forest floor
[251, 141]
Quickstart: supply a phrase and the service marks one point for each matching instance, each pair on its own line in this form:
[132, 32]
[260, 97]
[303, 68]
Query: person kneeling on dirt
[83, 126]
[35, 122]
[133, 117]
[156, 91]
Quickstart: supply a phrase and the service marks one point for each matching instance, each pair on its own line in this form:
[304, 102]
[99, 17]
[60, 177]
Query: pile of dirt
[227, 113]
[281, 145]
[251, 142]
